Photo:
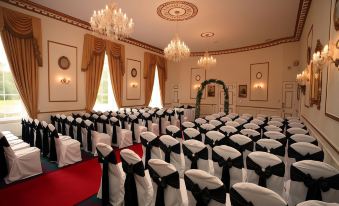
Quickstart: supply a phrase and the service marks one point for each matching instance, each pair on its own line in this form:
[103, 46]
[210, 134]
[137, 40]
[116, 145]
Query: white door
[232, 98]
[289, 104]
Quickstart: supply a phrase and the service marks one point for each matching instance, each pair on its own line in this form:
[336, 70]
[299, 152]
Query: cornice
[304, 7]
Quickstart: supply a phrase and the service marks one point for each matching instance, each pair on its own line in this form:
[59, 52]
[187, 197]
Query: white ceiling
[236, 23]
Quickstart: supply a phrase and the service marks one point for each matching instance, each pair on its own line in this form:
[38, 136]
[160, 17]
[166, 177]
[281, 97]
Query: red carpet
[66, 186]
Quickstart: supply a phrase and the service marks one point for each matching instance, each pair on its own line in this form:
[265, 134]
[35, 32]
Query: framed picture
[62, 72]
[133, 83]
[309, 46]
[243, 91]
[211, 90]
[336, 15]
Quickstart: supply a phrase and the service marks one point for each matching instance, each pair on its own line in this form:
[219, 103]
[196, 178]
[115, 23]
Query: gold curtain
[150, 62]
[92, 62]
[21, 36]
[116, 59]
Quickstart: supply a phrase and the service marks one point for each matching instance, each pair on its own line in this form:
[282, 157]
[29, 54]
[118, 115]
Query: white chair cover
[296, 124]
[302, 138]
[271, 146]
[241, 143]
[216, 123]
[199, 121]
[243, 194]
[123, 136]
[280, 137]
[276, 123]
[266, 170]
[150, 147]
[317, 203]
[210, 117]
[175, 132]
[191, 133]
[272, 128]
[204, 128]
[171, 186]
[228, 130]
[225, 119]
[163, 120]
[227, 164]
[196, 155]
[112, 173]
[99, 138]
[19, 164]
[142, 179]
[233, 124]
[204, 189]
[313, 180]
[152, 127]
[258, 122]
[295, 130]
[241, 121]
[136, 127]
[186, 125]
[278, 119]
[171, 152]
[212, 139]
[253, 134]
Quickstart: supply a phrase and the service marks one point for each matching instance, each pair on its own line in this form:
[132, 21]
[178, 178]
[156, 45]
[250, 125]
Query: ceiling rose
[207, 34]
[177, 10]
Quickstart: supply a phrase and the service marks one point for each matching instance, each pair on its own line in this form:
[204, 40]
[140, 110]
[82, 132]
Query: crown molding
[303, 10]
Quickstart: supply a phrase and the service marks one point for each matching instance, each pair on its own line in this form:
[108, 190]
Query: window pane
[1, 82]
[156, 97]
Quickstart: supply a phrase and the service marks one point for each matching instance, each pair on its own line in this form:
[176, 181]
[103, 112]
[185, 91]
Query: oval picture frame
[258, 75]
[134, 72]
[64, 63]
[197, 78]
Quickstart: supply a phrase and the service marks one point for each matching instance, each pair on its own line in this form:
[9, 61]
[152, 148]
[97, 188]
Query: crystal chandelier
[206, 60]
[112, 22]
[176, 50]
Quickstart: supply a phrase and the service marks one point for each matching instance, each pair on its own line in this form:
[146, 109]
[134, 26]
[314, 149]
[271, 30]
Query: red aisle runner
[63, 187]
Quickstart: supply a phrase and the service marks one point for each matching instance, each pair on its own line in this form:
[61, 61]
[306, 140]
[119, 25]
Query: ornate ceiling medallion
[207, 34]
[177, 10]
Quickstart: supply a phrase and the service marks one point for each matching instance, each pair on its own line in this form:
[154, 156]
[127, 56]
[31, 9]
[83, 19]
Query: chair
[102, 123]
[221, 114]
[45, 139]
[276, 123]
[296, 124]
[186, 125]
[271, 146]
[191, 133]
[199, 121]
[63, 120]
[204, 189]
[249, 194]
[170, 149]
[233, 116]
[138, 184]
[212, 139]
[150, 147]
[225, 119]
[58, 123]
[313, 180]
[37, 134]
[20, 164]
[302, 138]
[94, 118]
[98, 138]
[168, 188]
[31, 132]
[241, 121]
[241, 143]
[266, 170]
[227, 164]
[210, 117]
[123, 118]
[295, 130]
[253, 134]
[113, 177]
[196, 155]
[148, 123]
[233, 124]
[162, 121]
[63, 150]
[272, 128]
[204, 128]
[180, 112]
[217, 124]
[317, 203]
[170, 113]
[258, 122]
[277, 119]
[70, 123]
[253, 127]
[120, 137]
[280, 137]
[175, 132]
[228, 130]
[136, 128]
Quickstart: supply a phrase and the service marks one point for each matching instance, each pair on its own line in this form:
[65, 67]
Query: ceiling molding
[304, 7]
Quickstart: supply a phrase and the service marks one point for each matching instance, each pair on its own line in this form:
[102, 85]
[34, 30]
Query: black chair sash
[95, 122]
[3, 162]
[58, 120]
[105, 160]
[123, 119]
[205, 195]
[213, 143]
[149, 145]
[23, 130]
[104, 123]
[170, 115]
[283, 141]
[167, 149]
[160, 116]
[238, 200]
[315, 186]
[280, 151]
[146, 119]
[133, 122]
[204, 131]
[52, 153]
[76, 115]
[226, 133]
[177, 134]
[53, 120]
[241, 148]
[292, 141]
[89, 129]
[63, 126]
[162, 182]
[114, 131]
[226, 165]
[31, 133]
[198, 137]
[318, 156]
[45, 141]
[254, 138]
[131, 196]
[38, 138]
[278, 170]
[70, 128]
[180, 114]
[194, 157]
[79, 133]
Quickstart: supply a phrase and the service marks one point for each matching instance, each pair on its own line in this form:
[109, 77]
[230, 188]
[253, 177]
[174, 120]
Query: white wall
[235, 69]
[320, 16]
[64, 33]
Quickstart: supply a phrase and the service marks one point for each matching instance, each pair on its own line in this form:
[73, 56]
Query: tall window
[11, 106]
[156, 96]
[105, 99]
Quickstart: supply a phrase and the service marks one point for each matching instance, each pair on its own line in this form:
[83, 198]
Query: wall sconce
[196, 86]
[259, 86]
[302, 78]
[323, 56]
[134, 85]
[65, 81]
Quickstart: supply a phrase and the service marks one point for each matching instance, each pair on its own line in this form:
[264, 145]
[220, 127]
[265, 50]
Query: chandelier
[176, 50]
[112, 22]
[206, 60]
